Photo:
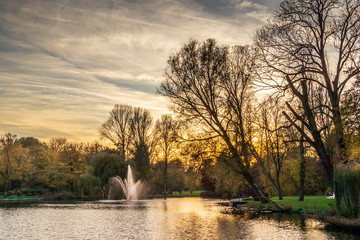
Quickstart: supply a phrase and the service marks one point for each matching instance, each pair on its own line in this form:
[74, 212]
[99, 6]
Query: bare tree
[127, 127]
[272, 148]
[140, 126]
[212, 85]
[313, 43]
[117, 128]
[166, 137]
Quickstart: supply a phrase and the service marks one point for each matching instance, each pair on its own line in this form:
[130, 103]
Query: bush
[347, 191]
[63, 195]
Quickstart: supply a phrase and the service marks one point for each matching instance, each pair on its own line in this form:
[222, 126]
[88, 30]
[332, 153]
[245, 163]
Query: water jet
[131, 189]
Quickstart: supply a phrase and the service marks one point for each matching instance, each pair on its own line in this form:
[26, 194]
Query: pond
[177, 218]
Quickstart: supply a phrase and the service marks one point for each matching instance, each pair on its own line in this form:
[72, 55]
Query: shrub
[347, 191]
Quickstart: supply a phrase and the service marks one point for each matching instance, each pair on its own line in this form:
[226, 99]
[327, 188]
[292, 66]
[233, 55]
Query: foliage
[106, 165]
[178, 178]
[14, 165]
[227, 181]
[347, 191]
[142, 161]
[89, 185]
[350, 108]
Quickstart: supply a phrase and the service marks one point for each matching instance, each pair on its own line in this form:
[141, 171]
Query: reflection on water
[186, 218]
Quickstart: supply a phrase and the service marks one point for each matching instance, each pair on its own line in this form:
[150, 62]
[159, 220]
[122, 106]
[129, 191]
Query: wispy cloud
[65, 64]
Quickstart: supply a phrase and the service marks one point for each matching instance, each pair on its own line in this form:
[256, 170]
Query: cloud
[65, 64]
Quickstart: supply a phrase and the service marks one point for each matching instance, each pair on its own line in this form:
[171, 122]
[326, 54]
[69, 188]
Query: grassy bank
[311, 204]
[17, 197]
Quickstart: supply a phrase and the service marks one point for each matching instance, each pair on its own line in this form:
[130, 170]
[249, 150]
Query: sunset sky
[65, 64]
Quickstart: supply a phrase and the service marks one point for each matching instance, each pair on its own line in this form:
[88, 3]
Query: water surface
[181, 218]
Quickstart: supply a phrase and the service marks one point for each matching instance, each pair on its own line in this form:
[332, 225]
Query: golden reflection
[183, 218]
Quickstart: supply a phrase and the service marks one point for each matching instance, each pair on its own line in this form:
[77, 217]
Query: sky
[65, 64]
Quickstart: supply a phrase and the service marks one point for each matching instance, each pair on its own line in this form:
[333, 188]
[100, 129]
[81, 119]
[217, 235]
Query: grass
[310, 204]
[186, 193]
[17, 197]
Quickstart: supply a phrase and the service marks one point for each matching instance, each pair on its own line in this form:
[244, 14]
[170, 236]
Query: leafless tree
[166, 137]
[271, 148]
[126, 128]
[212, 86]
[313, 43]
[140, 127]
[117, 128]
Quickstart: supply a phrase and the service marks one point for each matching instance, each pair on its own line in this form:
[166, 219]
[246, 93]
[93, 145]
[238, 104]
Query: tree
[127, 127]
[211, 85]
[14, 164]
[106, 165]
[141, 123]
[69, 160]
[36, 155]
[117, 128]
[142, 161]
[196, 155]
[89, 184]
[302, 169]
[313, 44]
[166, 137]
[272, 147]
[350, 109]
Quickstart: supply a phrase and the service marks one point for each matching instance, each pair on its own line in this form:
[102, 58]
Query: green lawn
[18, 197]
[310, 204]
[187, 193]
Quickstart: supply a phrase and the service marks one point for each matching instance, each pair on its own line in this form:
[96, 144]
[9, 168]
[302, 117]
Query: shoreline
[324, 214]
[18, 200]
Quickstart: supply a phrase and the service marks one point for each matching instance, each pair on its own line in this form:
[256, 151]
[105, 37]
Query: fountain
[130, 188]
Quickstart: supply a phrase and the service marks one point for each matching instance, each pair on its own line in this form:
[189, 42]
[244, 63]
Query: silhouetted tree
[272, 149]
[127, 127]
[140, 126]
[117, 128]
[211, 85]
[313, 44]
[166, 137]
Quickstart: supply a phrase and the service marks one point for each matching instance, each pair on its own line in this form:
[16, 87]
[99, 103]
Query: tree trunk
[302, 168]
[275, 186]
[256, 190]
[279, 186]
[317, 141]
[339, 132]
[248, 177]
[165, 171]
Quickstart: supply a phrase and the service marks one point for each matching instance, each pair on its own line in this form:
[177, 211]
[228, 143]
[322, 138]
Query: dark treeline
[273, 118]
